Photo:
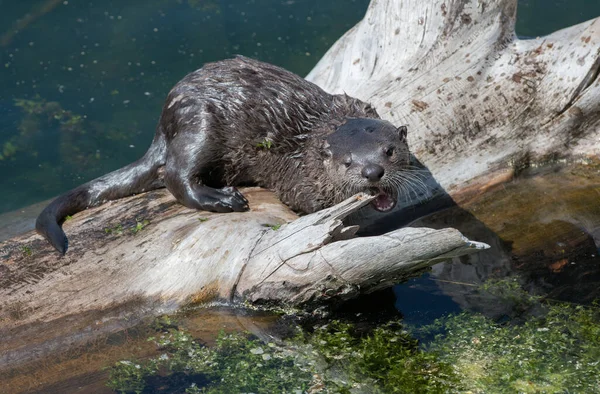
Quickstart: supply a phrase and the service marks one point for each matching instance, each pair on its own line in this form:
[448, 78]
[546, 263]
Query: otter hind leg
[187, 159]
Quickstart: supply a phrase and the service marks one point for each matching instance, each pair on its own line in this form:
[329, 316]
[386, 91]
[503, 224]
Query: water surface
[83, 82]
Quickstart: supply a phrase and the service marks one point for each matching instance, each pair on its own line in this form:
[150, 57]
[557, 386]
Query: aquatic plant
[265, 144]
[557, 351]
[40, 115]
[27, 251]
[117, 229]
[237, 363]
[52, 146]
[204, 5]
[332, 359]
[386, 360]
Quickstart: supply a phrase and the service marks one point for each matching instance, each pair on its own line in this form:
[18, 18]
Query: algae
[553, 347]
[333, 358]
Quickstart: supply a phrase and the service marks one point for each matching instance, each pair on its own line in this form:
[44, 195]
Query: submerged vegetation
[40, 114]
[332, 359]
[557, 350]
[556, 353]
[552, 347]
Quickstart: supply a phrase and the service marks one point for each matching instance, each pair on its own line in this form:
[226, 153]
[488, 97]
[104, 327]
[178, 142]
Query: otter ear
[402, 130]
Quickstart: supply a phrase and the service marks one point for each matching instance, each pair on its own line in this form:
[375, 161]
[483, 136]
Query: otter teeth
[383, 202]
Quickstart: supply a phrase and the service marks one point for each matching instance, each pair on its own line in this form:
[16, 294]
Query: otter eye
[390, 151]
[347, 161]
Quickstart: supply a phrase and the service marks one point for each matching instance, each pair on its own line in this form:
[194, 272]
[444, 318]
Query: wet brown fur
[238, 122]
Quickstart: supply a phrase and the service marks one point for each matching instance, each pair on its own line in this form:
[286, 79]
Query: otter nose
[373, 172]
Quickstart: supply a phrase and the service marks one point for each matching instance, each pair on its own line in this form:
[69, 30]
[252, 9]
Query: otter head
[368, 155]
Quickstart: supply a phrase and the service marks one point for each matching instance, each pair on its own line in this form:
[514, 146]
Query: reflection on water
[82, 87]
[82, 370]
[543, 230]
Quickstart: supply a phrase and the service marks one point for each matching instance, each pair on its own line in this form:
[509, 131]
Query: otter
[244, 122]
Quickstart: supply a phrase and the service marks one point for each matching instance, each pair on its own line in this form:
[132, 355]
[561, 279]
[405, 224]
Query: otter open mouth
[384, 201]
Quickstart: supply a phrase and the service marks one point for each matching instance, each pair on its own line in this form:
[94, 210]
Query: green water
[111, 63]
[95, 73]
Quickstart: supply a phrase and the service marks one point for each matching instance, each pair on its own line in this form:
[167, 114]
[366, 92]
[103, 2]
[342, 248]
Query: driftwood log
[480, 105]
[147, 255]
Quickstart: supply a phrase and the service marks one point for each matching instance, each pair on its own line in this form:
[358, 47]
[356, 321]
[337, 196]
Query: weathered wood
[480, 103]
[183, 255]
[315, 259]
[121, 269]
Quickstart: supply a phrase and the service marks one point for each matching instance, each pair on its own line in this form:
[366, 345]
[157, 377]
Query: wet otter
[239, 122]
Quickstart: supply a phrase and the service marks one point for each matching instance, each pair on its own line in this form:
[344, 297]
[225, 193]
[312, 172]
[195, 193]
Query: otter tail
[137, 177]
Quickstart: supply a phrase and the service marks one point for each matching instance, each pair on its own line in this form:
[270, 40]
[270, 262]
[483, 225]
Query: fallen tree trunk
[147, 255]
